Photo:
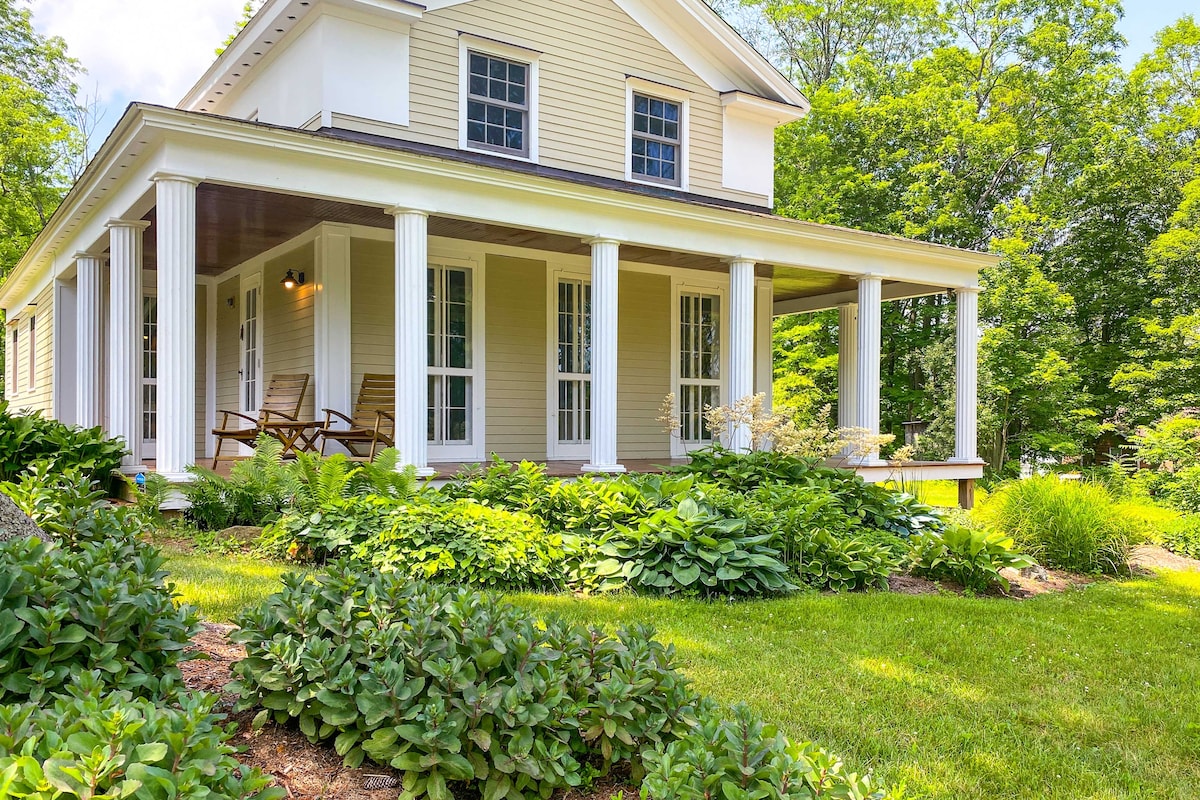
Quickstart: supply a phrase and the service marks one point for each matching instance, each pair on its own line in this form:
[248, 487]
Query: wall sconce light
[230, 302]
[291, 280]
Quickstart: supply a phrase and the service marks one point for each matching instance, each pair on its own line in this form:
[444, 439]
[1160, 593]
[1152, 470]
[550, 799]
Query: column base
[133, 469]
[604, 469]
[426, 472]
[178, 477]
[853, 463]
[957, 460]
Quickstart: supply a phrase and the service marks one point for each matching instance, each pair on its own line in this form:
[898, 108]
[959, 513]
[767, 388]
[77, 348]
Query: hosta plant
[452, 686]
[103, 606]
[972, 557]
[90, 744]
[691, 549]
[736, 756]
[1182, 536]
[843, 564]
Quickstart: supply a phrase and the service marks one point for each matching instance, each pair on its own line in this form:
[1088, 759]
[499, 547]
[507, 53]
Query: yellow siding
[288, 322]
[588, 48]
[228, 345]
[372, 318]
[644, 364]
[515, 332]
[39, 396]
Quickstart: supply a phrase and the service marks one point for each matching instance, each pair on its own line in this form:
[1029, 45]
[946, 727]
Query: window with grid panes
[451, 371]
[498, 103]
[657, 139]
[699, 363]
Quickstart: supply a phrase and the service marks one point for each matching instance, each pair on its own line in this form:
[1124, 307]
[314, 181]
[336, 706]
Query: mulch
[305, 770]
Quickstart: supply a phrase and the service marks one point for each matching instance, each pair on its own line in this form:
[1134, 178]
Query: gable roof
[691, 30]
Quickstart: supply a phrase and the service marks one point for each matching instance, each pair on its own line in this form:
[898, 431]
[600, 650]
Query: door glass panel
[150, 368]
[250, 355]
[699, 363]
[450, 362]
[574, 361]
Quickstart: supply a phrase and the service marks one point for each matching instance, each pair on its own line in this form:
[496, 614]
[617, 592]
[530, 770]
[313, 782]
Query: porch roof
[264, 184]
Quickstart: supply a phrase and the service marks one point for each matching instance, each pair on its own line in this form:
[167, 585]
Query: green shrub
[972, 557]
[690, 549]
[1183, 536]
[454, 685]
[103, 606]
[845, 564]
[96, 744]
[68, 506]
[29, 438]
[468, 544]
[738, 757]
[1064, 524]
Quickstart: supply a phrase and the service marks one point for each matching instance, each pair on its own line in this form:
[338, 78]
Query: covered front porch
[525, 316]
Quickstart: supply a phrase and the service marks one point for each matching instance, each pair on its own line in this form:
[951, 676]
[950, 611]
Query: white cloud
[146, 50]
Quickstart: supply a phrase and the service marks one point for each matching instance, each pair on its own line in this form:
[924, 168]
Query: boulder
[15, 524]
[1037, 572]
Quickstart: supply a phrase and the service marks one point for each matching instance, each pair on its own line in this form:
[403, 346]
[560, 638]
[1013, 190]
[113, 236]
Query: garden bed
[305, 770]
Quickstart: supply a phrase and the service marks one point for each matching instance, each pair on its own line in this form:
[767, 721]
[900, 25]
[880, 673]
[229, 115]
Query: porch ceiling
[235, 224]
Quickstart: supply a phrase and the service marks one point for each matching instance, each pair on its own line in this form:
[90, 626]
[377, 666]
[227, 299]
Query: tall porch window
[451, 361]
[699, 364]
[573, 379]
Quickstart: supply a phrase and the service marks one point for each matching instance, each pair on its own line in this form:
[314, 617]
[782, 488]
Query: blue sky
[154, 50]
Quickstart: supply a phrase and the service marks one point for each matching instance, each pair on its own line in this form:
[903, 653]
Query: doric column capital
[732, 260]
[84, 255]
[139, 224]
[174, 177]
[876, 277]
[967, 290]
[400, 211]
[602, 240]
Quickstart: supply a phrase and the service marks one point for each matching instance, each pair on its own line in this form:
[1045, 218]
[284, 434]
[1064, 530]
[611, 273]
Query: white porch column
[740, 381]
[847, 365]
[605, 258]
[175, 228]
[89, 300]
[125, 337]
[870, 320]
[412, 321]
[332, 317]
[966, 433]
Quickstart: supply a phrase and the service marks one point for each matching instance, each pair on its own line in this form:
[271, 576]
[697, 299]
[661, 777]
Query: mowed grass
[221, 586]
[1094, 693]
[936, 493]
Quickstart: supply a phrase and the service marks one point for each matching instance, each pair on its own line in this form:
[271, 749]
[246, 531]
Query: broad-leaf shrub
[736, 756]
[847, 564]
[1064, 524]
[29, 438]
[972, 557]
[451, 685]
[1182, 536]
[92, 744]
[70, 507]
[690, 549]
[101, 606]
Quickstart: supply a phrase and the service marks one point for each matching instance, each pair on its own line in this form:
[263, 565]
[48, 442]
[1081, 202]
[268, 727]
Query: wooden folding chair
[372, 424]
[282, 400]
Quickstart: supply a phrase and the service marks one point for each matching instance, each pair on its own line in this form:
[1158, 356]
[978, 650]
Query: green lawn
[1090, 694]
[222, 585]
[937, 493]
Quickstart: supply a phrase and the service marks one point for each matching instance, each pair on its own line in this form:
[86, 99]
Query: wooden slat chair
[282, 400]
[372, 424]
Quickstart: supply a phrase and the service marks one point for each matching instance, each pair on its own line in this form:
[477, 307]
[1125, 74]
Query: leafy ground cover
[1092, 693]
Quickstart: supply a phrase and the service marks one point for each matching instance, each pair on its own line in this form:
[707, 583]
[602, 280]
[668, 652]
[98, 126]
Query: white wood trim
[210, 365]
[556, 451]
[764, 369]
[149, 447]
[332, 275]
[685, 117]
[711, 283]
[467, 42]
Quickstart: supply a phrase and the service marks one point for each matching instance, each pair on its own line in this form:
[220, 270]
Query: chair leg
[217, 452]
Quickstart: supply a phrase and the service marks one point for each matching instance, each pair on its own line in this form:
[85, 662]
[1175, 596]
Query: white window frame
[149, 446]
[251, 280]
[475, 450]
[32, 360]
[467, 44]
[681, 286]
[661, 92]
[14, 344]
[556, 450]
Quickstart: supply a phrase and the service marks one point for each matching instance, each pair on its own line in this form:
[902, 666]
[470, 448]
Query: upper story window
[498, 104]
[657, 144]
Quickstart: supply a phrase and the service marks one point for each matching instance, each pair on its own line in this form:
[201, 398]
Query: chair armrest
[330, 414]
[228, 414]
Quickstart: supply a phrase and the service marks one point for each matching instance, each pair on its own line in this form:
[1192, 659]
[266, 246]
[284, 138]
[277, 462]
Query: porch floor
[448, 469]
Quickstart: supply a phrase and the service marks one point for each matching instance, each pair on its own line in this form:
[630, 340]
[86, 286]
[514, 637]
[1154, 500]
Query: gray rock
[14, 524]
[1037, 572]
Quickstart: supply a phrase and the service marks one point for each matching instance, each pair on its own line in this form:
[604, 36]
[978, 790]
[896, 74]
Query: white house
[540, 216]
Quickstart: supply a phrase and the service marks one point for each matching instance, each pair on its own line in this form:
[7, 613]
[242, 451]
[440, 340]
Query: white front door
[570, 396]
[250, 371]
[149, 373]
